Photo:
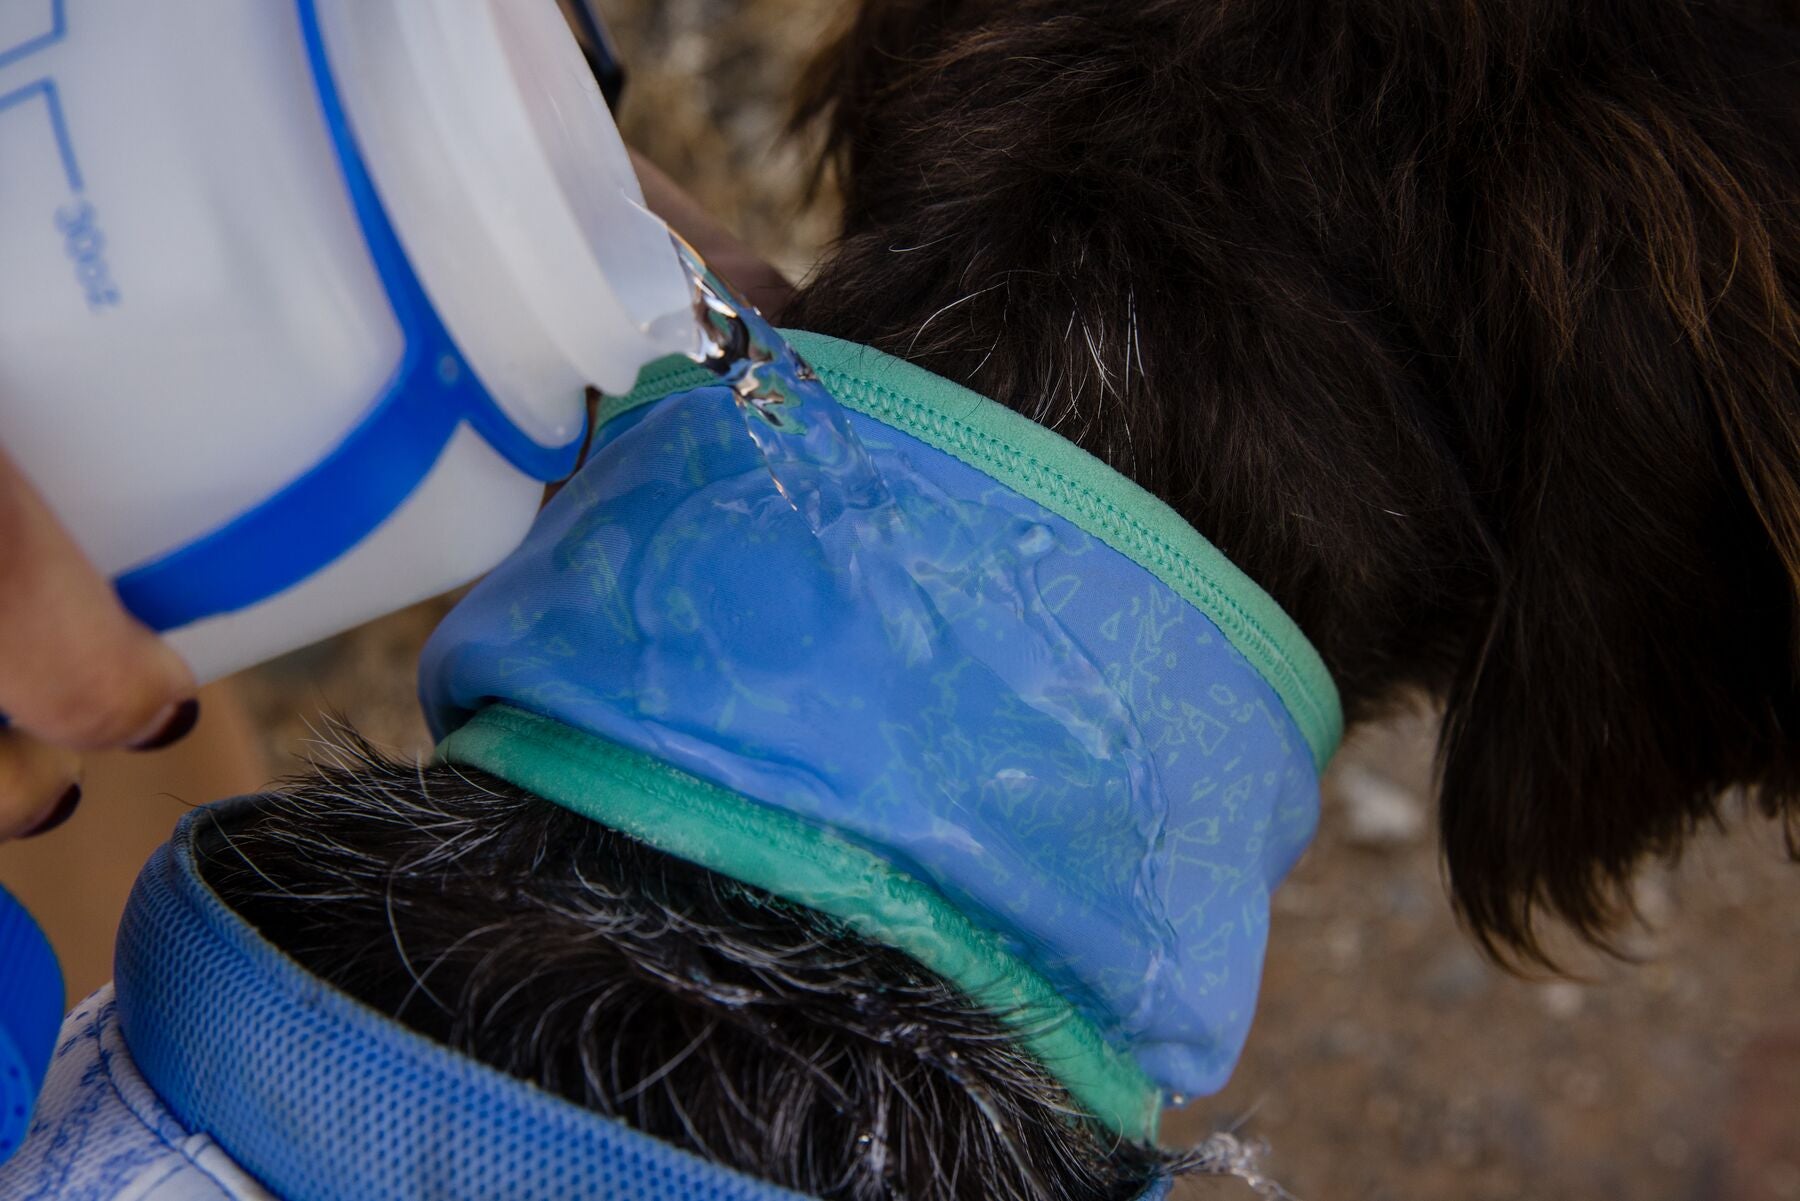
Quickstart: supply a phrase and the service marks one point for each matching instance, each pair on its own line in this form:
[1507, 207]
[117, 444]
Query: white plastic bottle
[262, 425]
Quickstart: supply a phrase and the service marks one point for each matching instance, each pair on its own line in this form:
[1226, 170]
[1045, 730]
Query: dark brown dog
[1468, 330]
[1466, 327]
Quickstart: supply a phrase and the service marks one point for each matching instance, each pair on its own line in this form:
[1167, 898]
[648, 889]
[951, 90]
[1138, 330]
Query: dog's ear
[1640, 464]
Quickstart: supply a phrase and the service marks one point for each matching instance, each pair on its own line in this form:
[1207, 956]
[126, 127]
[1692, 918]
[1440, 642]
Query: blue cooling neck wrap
[1016, 718]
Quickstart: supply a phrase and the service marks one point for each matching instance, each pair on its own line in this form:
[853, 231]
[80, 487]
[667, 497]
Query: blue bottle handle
[31, 1003]
[310, 523]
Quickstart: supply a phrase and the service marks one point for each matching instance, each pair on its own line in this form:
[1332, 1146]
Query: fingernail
[174, 727]
[59, 813]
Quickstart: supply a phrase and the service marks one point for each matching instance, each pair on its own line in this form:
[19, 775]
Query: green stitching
[688, 817]
[664, 377]
[1082, 484]
[1065, 479]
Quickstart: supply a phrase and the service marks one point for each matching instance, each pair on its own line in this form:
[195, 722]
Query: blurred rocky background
[1389, 1061]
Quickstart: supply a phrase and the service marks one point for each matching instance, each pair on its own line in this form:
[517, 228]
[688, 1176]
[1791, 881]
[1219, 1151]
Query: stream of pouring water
[814, 456]
[887, 537]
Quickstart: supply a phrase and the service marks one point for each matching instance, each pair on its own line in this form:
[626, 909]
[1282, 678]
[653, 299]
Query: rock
[1562, 999]
[1379, 814]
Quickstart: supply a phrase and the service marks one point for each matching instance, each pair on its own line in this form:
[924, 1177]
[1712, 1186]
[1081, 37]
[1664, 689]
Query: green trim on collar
[682, 815]
[1047, 468]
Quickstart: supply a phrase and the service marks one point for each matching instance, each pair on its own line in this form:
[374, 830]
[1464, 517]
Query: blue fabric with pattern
[992, 699]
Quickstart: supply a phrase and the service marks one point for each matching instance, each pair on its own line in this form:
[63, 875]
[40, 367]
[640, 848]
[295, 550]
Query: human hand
[77, 673]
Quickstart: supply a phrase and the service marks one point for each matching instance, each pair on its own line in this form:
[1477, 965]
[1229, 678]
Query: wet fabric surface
[975, 688]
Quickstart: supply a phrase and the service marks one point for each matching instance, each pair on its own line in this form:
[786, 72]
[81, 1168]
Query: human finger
[76, 670]
[39, 785]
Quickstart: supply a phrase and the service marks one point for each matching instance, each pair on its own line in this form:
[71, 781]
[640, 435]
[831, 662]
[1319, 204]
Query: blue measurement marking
[58, 27]
[59, 126]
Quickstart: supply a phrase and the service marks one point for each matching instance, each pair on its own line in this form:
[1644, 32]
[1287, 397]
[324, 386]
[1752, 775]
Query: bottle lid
[31, 1006]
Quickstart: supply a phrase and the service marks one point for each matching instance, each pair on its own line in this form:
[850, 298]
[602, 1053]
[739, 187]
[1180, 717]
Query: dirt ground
[1389, 1062]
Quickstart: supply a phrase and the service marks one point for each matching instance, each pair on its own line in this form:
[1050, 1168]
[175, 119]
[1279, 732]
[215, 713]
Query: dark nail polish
[173, 730]
[64, 810]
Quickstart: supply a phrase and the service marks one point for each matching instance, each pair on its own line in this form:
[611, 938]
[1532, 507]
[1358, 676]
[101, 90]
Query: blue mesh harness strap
[324, 1099]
